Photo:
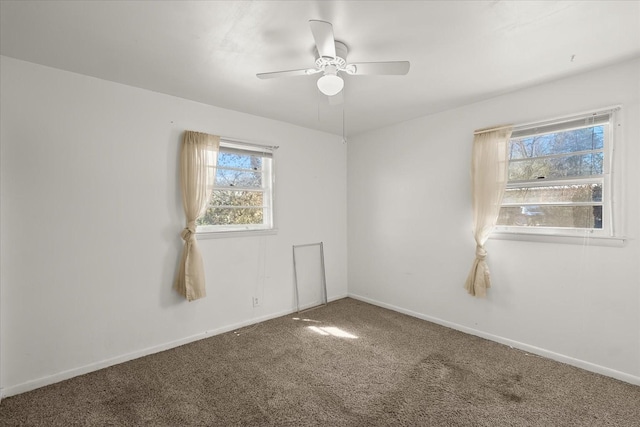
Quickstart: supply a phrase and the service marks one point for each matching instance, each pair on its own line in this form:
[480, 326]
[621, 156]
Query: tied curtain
[198, 157]
[489, 174]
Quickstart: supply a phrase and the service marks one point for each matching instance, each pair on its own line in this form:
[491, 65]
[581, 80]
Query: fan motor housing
[339, 61]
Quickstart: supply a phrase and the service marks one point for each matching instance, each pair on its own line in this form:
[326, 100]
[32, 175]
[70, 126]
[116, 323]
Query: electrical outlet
[256, 301]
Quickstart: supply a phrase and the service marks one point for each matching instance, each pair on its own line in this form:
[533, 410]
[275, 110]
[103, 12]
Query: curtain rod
[580, 115]
[239, 141]
[609, 109]
[248, 143]
[485, 130]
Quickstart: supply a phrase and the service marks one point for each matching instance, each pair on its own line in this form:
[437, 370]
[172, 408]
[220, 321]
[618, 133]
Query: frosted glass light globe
[330, 84]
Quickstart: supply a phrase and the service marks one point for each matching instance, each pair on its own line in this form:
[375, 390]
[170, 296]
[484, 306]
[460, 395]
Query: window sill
[584, 240]
[205, 235]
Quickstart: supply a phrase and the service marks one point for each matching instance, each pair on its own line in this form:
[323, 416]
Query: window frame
[611, 217]
[268, 190]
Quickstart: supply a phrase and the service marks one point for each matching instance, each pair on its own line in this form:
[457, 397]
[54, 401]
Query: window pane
[558, 143]
[557, 167]
[552, 216]
[236, 198]
[242, 188]
[554, 194]
[231, 216]
[236, 178]
[239, 161]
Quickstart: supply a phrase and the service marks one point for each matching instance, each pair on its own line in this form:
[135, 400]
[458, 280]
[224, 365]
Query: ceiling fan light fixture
[330, 83]
[331, 58]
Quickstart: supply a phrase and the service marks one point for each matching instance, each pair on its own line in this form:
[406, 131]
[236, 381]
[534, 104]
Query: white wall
[91, 215]
[411, 248]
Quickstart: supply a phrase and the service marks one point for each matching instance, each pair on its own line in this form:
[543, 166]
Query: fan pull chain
[344, 136]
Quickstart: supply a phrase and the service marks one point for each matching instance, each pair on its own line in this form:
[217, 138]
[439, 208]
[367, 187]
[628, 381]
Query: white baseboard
[65, 375]
[588, 366]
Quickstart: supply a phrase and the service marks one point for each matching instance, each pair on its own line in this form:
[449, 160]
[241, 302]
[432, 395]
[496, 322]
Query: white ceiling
[460, 51]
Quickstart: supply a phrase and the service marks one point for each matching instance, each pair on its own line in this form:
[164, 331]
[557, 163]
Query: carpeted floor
[347, 364]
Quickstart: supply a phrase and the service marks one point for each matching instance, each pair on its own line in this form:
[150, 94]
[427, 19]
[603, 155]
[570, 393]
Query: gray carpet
[398, 371]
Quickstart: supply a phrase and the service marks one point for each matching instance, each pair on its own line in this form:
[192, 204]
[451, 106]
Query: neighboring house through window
[560, 177]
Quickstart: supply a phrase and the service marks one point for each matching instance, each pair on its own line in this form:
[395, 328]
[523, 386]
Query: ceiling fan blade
[379, 68]
[337, 99]
[290, 73]
[323, 35]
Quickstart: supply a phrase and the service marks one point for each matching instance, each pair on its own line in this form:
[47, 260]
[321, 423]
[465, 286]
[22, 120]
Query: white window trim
[586, 239]
[610, 236]
[204, 235]
[225, 231]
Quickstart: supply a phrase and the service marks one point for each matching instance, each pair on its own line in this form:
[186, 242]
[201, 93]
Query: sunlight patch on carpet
[331, 330]
[307, 320]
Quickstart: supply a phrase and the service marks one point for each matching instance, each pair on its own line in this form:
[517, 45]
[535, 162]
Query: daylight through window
[242, 196]
[559, 177]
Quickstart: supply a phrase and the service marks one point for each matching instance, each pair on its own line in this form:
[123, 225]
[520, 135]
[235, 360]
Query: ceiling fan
[331, 59]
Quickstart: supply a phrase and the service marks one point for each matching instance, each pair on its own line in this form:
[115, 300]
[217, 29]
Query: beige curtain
[197, 162]
[489, 175]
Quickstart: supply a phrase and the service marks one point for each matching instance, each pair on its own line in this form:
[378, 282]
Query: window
[559, 177]
[242, 195]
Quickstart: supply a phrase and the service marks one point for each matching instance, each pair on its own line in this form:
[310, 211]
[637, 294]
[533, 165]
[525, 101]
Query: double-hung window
[242, 195]
[559, 177]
